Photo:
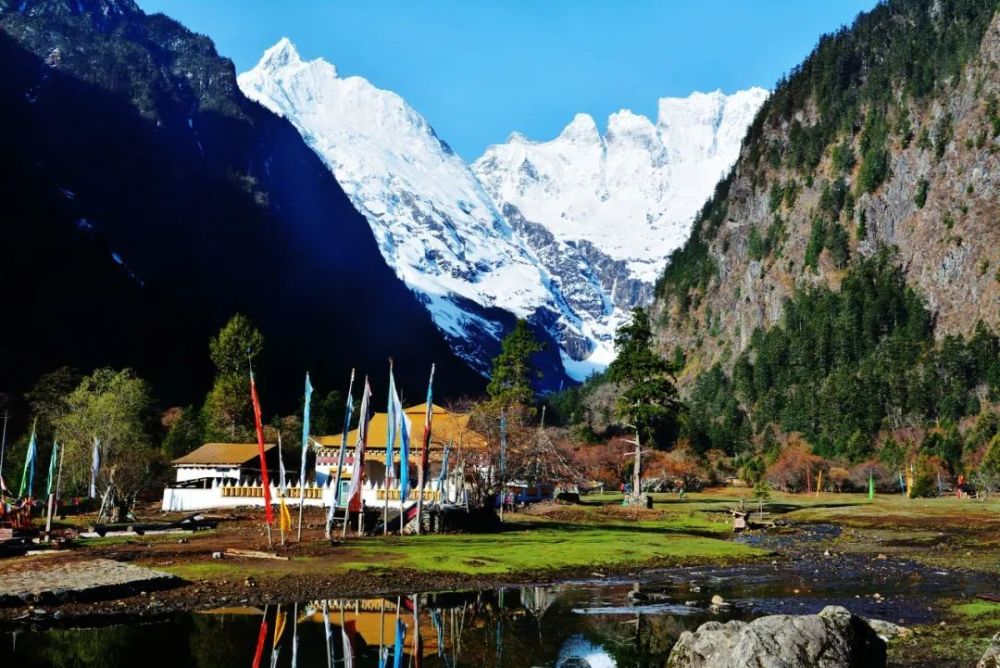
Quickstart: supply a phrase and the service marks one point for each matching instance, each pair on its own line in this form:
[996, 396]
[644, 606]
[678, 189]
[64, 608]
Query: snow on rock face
[434, 223]
[569, 233]
[633, 193]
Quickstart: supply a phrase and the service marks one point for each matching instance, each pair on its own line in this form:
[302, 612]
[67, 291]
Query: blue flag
[28, 475]
[391, 420]
[305, 437]
[404, 457]
[397, 652]
[52, 468]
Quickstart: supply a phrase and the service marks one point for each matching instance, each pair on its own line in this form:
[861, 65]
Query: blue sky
[478, 70]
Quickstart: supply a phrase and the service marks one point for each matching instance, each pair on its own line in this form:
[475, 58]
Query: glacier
[569, 234]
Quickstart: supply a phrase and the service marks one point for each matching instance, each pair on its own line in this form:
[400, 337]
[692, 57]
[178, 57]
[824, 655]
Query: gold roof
[446, 427]
[222, 453]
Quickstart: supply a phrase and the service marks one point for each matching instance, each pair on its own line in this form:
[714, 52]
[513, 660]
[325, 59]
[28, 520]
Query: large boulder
[832, 639]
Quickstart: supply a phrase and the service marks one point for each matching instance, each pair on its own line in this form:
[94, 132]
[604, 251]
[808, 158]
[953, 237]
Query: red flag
[260, 447]
[261, 638]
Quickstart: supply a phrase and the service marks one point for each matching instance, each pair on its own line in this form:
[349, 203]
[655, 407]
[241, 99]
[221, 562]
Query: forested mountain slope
[835, 284]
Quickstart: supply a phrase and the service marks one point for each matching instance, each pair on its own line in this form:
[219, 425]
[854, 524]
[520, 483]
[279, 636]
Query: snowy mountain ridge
[569, 233]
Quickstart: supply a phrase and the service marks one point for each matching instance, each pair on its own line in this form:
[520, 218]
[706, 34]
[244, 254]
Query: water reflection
[573, 625]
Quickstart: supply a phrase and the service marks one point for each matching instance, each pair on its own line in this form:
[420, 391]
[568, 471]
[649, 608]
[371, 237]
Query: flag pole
[3, 441]
[281, 494]
[305, 444]
[340, 460]
[265, 483]
[421, 474]
[390, 438]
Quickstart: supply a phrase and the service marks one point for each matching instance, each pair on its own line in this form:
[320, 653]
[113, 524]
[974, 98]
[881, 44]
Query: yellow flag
[279, 624]
[286, 517]
[819, 482]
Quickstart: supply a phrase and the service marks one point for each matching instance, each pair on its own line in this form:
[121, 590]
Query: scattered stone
[217, 555]
[718, 601]
[882, 557]
[250, 582]
[832, 639]
[887, 630]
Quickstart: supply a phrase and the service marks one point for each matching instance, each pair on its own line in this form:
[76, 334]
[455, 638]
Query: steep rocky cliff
[887, 136]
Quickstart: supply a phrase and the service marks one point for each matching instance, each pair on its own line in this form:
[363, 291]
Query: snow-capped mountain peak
[569, 233]
[435, 224]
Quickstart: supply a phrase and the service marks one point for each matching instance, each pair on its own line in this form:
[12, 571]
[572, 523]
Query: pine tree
[649, 399]
[513, 370]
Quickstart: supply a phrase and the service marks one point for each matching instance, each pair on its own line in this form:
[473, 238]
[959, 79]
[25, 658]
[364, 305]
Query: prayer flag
[871, 486]
[52, 468]
[280, 619]
[95, 466]
[28, 476]
[261, 640]
[391, 421]
[285, 520]
[268, 513]
[348, 410]
[404, 457]
[358, 470]
[397, 652]
[347, 632]
[305, 437]
[428, 417]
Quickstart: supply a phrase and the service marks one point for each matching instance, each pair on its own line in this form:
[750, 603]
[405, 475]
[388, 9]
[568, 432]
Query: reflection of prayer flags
[28, 476]
[280, 619]
[261, 640]
[95, 465]
[397, 652]
[346, 635]
[268, 513]
[52, 468]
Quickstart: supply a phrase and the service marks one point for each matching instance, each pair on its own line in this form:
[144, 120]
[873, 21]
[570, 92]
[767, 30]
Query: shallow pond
[599, 623]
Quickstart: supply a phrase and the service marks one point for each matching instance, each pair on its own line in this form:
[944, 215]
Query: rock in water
[832, 639]
[991, 659]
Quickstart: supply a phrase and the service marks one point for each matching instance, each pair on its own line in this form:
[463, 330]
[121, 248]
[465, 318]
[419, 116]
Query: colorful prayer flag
[391, 422]
[28, 475]
[397, 652]
[428, 417]
[404, 457]
[261, 640]
[347, 632]
[348, 410]
[871, 486]
[358, 470]
[52, 468]
[268, 512]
